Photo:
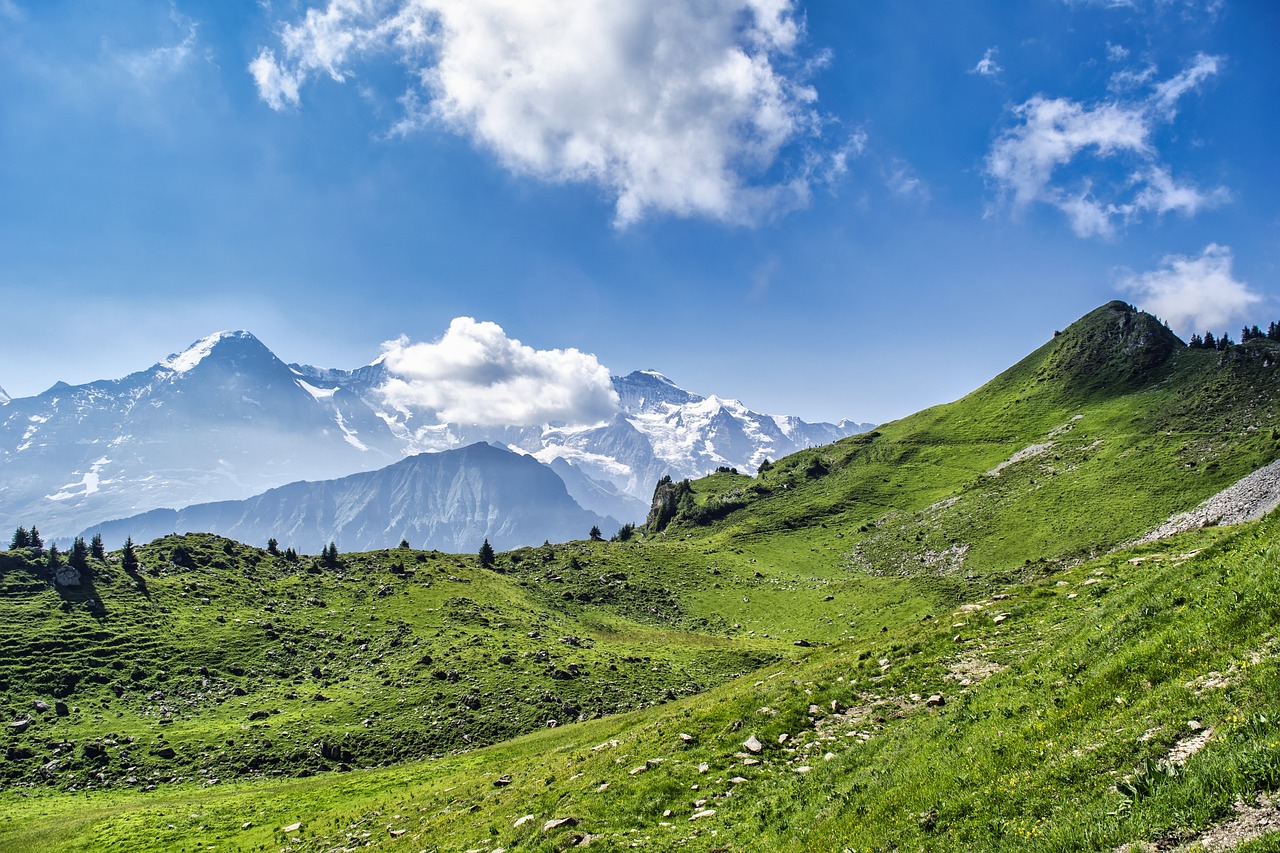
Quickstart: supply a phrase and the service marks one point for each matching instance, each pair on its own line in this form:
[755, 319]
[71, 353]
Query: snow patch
[187, 359]
[348, 434]
[582, 458]
[318, 393]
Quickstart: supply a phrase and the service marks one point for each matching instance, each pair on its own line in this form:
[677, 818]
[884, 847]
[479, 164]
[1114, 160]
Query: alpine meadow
[971, 628]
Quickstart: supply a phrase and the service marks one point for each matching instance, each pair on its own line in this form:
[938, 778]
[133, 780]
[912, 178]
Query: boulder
[753, 745]
[66, 575]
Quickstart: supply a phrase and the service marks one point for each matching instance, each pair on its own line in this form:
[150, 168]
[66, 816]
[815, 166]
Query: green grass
[223, 693]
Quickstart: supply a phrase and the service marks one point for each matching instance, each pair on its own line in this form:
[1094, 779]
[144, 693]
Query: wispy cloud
[475, 374]
[1193, 293]
[1053, 137]
[671, 108]
[987, 65]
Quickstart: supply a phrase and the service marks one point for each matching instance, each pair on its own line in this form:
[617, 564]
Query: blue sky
[828, 209]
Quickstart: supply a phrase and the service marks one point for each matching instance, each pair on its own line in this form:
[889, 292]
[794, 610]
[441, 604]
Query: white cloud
[670, 106]
[1194, 293]
[1170, 91]
[987, 65]
[1053, 137]
[1117, 52]
[475, 374]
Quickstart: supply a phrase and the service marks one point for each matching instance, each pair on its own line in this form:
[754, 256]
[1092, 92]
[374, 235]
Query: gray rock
[753, 745]
[66, 575]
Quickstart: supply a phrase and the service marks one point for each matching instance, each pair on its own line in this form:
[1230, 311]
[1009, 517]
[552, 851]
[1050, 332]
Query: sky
[826, 209]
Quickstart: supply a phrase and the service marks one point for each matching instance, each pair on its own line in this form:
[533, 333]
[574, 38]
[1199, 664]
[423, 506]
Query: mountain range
[447, 501]
[226, 419]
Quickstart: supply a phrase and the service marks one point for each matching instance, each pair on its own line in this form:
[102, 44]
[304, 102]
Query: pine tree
[1273, 331]
[1209, 341]
[36, 543]
[79, 554]
[128, 559]
[1225, 341]
[329, 556]
[486, 555]
[96, 550]
[273, 547]
[404, 544]
[21, 539]
[625, 532]
[55, 559]
[1196, 342]
[595, 533]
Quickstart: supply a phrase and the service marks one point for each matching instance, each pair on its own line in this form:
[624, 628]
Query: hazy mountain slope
[449, 501]
[226, 419]
[223, 419]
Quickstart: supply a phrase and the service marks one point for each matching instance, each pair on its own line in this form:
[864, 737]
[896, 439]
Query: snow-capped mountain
[450, 501]
[223, 419]
[4, 398]
[226, 419]
[659, 429]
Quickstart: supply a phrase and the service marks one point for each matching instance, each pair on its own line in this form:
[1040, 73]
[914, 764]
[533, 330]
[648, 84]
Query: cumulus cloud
[987, 65]
[475, 374]
[672, 107]
[1193, 293]
[1053, 136]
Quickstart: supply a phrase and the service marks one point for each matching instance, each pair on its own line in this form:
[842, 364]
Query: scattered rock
[522, 820]
[687, 738]
[753, 745]
[293, 827]
[40, 706]
[636, 771]
[61, 709]
[702, 814]
[559, 822]
[502, 781]
[935, 701]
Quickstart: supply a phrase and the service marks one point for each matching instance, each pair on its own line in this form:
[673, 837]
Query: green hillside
[919, 638]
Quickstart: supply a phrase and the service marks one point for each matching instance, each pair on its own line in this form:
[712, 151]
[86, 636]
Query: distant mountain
[226, 419]
[223, 419]
[660, 429]
[450, 501]
[4, 398]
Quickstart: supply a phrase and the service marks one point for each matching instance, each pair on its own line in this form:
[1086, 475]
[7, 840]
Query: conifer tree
[128, 559]
[35, 541]
[1209, 341]
[21, 539]
[486, 555]
[55, 558]
[595, 533]
[96, 550]
[1273, 331]
[273, 547]
[79, 554]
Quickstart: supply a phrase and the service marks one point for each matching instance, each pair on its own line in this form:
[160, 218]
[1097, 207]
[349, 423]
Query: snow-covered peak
[187, 359]
[4, 398]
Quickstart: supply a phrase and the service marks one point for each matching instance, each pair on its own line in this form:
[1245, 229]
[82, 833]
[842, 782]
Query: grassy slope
[865, 547]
